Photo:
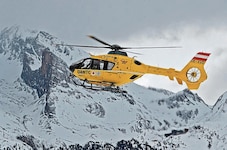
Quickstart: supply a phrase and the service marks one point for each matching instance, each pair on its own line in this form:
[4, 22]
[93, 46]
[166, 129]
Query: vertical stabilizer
[194, 73]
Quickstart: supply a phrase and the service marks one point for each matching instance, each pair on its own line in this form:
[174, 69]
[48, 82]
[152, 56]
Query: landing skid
[109, 87]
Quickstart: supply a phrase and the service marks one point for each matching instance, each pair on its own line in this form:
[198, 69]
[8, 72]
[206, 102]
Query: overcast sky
[197, 25]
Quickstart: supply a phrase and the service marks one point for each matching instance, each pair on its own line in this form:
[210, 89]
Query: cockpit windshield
[86, 64]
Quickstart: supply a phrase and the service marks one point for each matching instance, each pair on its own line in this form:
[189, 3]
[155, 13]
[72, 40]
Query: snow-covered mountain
[41, 108]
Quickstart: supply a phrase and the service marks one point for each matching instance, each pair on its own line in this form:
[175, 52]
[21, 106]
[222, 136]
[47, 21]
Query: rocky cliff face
[42, 108]
[40, 78]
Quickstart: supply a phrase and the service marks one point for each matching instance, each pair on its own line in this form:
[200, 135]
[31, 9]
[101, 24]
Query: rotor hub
[115, 47]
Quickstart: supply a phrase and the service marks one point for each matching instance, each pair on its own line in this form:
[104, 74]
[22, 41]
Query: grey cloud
[111, 19]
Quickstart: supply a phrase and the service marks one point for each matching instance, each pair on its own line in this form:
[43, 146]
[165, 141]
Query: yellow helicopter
[116, 68]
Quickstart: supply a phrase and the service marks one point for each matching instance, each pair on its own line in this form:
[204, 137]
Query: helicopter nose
[72, 68]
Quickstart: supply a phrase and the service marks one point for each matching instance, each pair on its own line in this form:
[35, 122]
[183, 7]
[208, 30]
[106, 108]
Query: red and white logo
[201, 56]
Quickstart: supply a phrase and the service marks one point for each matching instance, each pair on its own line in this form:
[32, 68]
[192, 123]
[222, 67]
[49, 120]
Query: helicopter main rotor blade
[153, 47]
[111, 46]
[132, 52]
[116, 47]
[99, 40]
[89, 46]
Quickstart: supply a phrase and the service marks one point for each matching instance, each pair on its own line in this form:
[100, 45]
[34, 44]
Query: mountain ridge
[40, 104]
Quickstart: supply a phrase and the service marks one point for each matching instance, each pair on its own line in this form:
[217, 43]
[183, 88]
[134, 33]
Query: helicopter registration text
[83, 72]
[93, 73]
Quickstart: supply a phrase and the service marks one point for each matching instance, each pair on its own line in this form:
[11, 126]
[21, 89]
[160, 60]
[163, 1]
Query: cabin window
[110, 66]
[96, 64]
[101, 65]
[105, 65]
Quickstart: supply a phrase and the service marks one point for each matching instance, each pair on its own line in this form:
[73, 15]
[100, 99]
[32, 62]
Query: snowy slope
[41, 107]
